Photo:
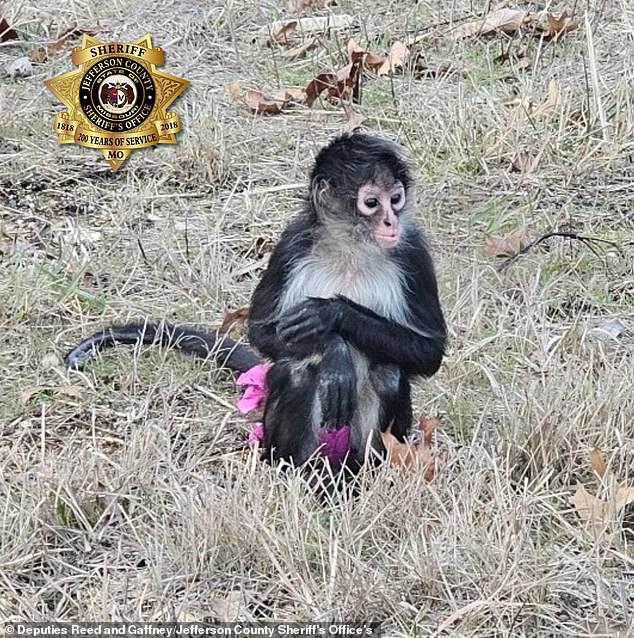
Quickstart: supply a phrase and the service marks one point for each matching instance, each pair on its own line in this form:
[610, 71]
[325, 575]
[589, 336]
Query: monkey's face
[380, 206]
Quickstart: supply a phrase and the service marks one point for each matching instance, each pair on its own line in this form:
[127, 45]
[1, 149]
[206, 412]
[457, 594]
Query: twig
[211, 395]
[558, 233]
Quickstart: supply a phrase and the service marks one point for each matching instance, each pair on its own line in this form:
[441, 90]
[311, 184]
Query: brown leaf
[319, 84]
[344, 84]
[39, 55]
[559, 25]
[258, 103]
[508, 246]
[591, 510]
[624, 496]
[6, 32]
[408, 456]
[285, 33]
[396, 58]
[291, 96]
[505, 20]
[598, 462]
[69, 34]
[372, 61]
[607, 629]
[234, 318]
[595, 512]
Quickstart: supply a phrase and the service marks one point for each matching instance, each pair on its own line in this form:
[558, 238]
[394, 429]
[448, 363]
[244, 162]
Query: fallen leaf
[234, 318]
[505, 20]
[595, 512]
[508, 246]
[38, 55]
[396, 58]
[319, 84]
[624, 496]
[606, 629]
[590, 510]
[41, 54]
[552, 102]
[343, 84]
[408, 456]
[598, 462]
[20, 67]
[559, 25]
[73, 391]
[69, 34]
[291, 96]
[372, 61]
[285, 32]
[258, 103]
[6, 32]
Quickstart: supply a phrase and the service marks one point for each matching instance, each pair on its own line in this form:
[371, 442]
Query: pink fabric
[255, 393]
[256, 435]
[334, 444]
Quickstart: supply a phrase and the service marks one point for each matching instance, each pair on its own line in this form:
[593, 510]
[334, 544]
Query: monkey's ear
[320, 192]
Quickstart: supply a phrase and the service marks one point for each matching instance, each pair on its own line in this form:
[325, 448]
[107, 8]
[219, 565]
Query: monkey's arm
[294, 242]
[337, 383]
[415, 350]
[417, 347]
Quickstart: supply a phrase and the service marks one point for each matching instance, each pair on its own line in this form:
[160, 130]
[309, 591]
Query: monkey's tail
[225, 351]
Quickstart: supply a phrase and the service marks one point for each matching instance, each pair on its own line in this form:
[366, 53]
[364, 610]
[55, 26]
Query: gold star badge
[117, 101]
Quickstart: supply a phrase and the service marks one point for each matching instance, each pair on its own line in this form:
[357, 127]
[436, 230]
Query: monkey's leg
[291, 429]
[393, 388]
[384, 400]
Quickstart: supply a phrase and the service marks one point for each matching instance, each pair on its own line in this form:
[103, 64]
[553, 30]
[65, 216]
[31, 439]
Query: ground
[127, 491]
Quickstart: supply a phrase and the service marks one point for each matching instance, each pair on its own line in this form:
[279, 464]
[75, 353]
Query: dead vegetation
[127, 491]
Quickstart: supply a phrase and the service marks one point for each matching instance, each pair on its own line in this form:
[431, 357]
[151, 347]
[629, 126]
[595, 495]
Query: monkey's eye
[371, 202]
[396, 199]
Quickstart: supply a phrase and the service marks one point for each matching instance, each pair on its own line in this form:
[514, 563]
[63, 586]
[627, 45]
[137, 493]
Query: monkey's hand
[306, 327]
[337, 384]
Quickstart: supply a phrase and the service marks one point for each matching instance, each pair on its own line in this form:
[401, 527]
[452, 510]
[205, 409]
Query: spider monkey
[347, 311]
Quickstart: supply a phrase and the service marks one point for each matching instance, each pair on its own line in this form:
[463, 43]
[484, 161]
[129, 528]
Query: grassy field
[128, 492]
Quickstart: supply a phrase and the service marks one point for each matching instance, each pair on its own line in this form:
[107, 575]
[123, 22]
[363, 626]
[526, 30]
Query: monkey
[347, 311]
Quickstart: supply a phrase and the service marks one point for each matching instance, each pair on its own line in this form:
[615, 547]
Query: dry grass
[134, 498]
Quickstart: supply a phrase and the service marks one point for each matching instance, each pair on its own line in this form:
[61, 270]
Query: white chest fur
[362, 273]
